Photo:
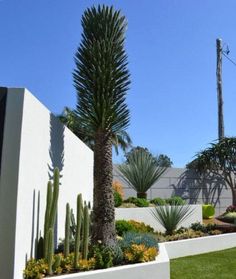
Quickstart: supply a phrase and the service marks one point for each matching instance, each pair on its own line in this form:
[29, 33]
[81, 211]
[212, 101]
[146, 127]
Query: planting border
[160, 268]
[143, 214]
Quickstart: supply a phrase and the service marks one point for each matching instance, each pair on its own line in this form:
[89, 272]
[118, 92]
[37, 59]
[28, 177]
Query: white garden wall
[201, 245]
[144, 215]
[34, 143]
[158, 269]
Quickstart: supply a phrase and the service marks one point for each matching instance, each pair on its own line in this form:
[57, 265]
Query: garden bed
[148, 270]
[160, 268]
[144, 215]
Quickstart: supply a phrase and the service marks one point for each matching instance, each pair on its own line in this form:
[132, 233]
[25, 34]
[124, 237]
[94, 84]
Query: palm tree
[70, 118]
[141, 171]
[101, 79]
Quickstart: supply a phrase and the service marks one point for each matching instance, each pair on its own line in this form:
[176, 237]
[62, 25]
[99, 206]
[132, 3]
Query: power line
[225, 55]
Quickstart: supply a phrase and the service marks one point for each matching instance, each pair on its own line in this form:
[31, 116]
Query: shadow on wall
[56, 153]
[194, 187]
[35, 233]
[56, 150]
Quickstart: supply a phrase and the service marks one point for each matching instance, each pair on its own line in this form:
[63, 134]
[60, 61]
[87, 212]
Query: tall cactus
[51, 209]
[67, 232]
[50, 251]
[78, 230]
[85, 232]
[46, 218]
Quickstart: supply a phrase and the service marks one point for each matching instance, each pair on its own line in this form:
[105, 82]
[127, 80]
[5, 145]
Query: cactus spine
[78, 230]
[85, 232]
[50, 251]
[51, 211]
[67, 232]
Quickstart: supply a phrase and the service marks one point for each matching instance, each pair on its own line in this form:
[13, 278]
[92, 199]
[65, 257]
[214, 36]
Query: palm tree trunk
[103, 227]
[142, 195]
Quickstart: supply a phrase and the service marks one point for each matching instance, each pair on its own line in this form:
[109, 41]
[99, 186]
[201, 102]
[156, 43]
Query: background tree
[164, 161]
[219, 159]
[141, 171]
[161, 160]
[101, 79]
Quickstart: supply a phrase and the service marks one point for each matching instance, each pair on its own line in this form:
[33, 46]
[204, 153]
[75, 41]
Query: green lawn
[216, 265]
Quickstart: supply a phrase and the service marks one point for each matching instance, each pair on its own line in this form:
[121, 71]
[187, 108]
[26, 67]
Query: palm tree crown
[101, 77]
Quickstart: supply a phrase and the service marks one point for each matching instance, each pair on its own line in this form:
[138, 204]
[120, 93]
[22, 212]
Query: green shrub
[130, 238]
[117, 199]
[203, 228]
[208, 211]
[141, 227]
[103, 256]
[198, 227]
[175, 201]
[139, 253]
[158, 201]
[35, 269]
[142, 202]
[137, 201]
[123, 226]
[117, 254]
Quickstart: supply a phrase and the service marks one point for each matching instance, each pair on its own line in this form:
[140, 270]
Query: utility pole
[219, 51]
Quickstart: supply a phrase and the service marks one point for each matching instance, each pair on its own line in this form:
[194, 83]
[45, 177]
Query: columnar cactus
[78, 230]
[51, 209]
[46, 218]
[67, 232]
[50, 251]
[85, 232]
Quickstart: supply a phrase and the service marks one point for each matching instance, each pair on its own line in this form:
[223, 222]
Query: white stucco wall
[158, 269]
[201, 245]
[41, 143]
[144, 214]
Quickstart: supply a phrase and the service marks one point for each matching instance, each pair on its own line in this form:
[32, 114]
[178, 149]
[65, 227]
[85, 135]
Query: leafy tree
[141, 171]
[220, 160]
[101, 79]
[162, 160]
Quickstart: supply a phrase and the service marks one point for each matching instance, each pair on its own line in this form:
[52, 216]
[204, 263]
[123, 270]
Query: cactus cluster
[81, 231]
[80, 227]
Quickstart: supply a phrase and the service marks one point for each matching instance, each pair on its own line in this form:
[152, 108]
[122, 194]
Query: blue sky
[171, 50]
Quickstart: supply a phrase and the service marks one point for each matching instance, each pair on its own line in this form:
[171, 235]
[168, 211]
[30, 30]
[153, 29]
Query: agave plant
[141, 171]
[170, 216]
